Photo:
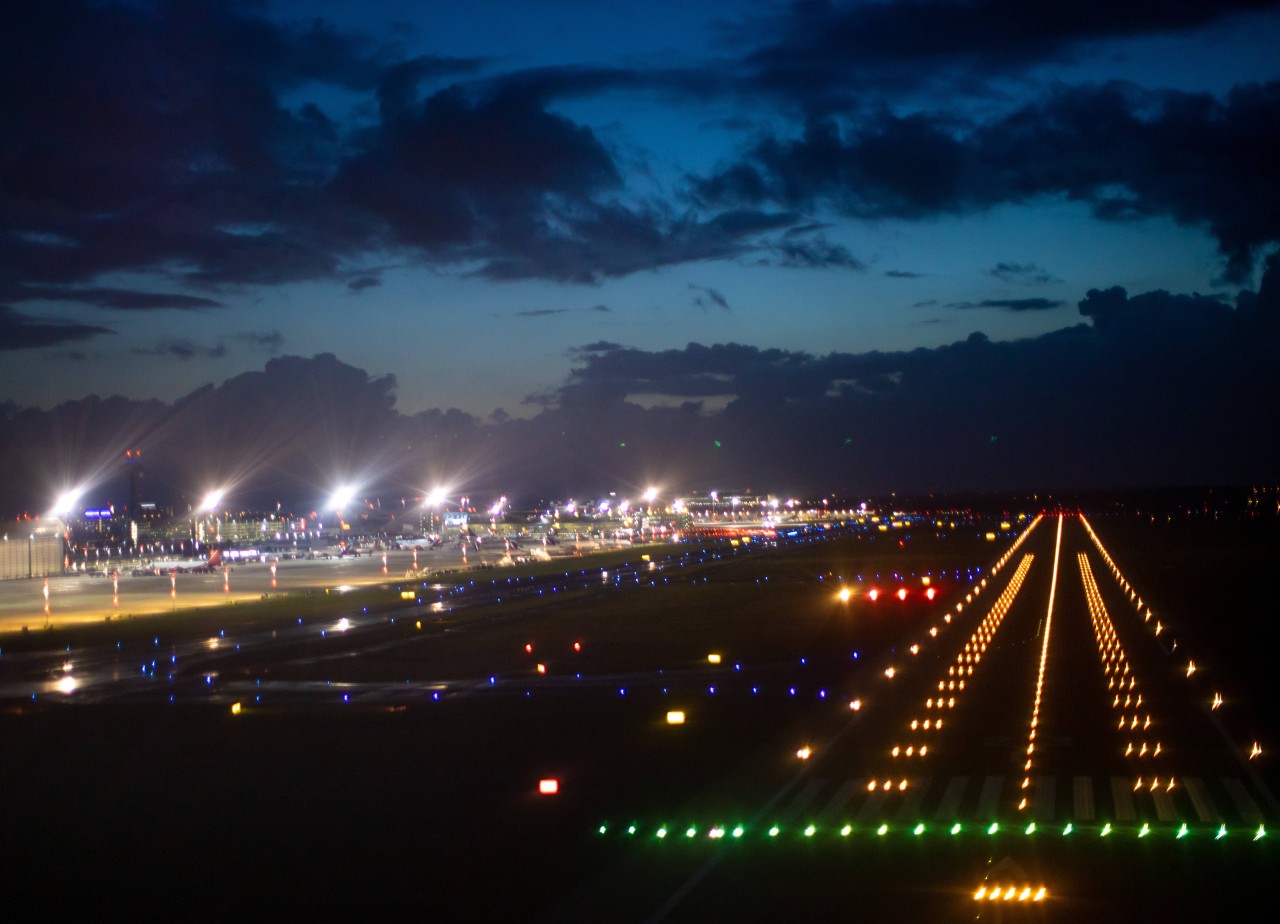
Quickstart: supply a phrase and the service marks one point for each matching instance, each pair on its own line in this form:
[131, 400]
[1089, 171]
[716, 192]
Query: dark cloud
[902, 274]
[360, 283]
[399, 85]
[599, 346]
[707, 296]
[1110, 146]
[540, 312]
[22, 332]
[1012, 304]
[181, 349]
[1150, 385]
[269, 341]
[825, 55]
[1023, 273]
[814, 252]
[603, 309]
[118, 299]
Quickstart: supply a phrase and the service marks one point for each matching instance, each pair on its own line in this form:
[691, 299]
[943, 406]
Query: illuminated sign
[98, 513]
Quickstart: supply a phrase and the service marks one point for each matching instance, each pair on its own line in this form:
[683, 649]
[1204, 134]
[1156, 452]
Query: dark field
[346, 787]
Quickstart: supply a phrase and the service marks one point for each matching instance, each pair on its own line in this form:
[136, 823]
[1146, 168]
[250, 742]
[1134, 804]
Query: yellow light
[675, 717]
[978, 895]
[235, 708]
[713, 658]
[845, 594]
[408, 595]
[889, 672]
[542, 668]
[804, 753]
[855, 705]
[1040, 894]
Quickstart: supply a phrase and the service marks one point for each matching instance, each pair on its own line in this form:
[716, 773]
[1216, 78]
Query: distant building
[32, 549]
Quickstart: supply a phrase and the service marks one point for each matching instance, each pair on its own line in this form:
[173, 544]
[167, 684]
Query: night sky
[563, 245]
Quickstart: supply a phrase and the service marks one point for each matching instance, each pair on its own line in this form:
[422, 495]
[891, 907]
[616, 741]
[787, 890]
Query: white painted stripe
[871, 808]
[837, 802]
[910, 809]
[1044, 802]
[1200, 800]
[802, 800]
[990, 796]
[1164, 805]
[1244, 803]
[1082, 796]
[951, 797]
[1122, 799]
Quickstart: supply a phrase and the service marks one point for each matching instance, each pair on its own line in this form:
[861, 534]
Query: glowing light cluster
[1216, 702]
[931, 719]
[1044, 661]
[718, 831]
[998, 893]
[1122, 683]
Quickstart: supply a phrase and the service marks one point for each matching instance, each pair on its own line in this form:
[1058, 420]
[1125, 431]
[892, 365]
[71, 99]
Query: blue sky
[463, 196]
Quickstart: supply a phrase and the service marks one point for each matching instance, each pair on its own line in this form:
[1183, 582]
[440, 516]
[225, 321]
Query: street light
[212, 501]
[66, 502]
[342, 497]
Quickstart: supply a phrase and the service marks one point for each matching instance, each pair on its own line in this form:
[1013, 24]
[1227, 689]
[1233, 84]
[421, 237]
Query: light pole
[212, 501]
